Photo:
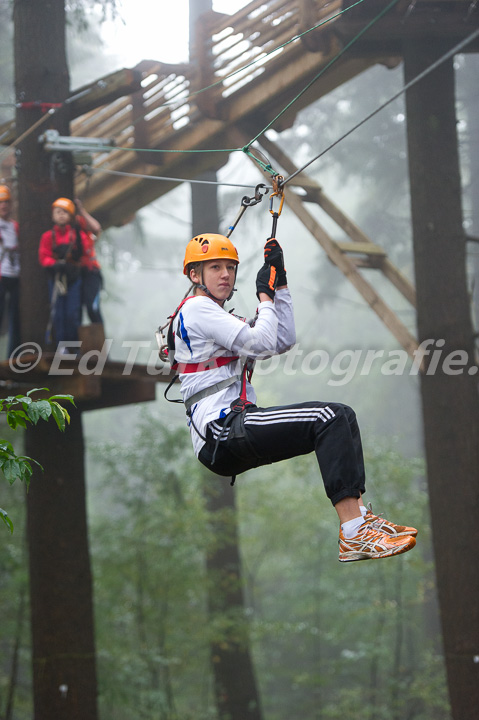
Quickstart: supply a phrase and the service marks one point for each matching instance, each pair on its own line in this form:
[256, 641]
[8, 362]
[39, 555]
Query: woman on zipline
[213, 352]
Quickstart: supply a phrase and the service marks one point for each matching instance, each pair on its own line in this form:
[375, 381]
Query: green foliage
[20, 411]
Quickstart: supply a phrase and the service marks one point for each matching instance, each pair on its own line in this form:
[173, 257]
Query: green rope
[265, 166]
[326, 67]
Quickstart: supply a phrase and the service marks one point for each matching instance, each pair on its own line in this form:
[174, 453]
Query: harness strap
[210, 364]
[211, 390]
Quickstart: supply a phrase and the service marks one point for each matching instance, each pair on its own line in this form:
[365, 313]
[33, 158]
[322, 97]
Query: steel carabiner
[246, 202]
[257, 197]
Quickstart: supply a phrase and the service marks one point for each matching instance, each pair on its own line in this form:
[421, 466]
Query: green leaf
[17, 417]
[6, 519]
[39, 409]
[13, 469]
[6, 447]
[60, 415]
[70, 398]
[37, 390]
[12, 421]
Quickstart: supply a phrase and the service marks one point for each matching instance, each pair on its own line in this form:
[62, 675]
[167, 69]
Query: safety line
[87, 169]
[322, 71]
[450, 53]
[110, 148]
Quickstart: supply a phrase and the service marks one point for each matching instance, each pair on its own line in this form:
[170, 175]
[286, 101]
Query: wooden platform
[94, 383]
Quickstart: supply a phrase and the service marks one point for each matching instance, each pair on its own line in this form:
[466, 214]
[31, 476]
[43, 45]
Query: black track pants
[260, 436]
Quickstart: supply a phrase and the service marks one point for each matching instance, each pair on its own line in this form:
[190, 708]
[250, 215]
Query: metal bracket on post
[81, 148]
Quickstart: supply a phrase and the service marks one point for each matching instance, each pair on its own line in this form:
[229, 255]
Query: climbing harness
[167, 353]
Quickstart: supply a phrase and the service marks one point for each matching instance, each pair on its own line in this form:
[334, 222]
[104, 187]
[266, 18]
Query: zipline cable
[450, 53]
[87, 169]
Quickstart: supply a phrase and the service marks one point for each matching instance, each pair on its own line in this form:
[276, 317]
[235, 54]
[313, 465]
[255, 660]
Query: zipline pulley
[259, 191]
[278, 192]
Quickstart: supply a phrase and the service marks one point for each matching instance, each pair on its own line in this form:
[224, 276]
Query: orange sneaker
[370, 543]
[386, 526]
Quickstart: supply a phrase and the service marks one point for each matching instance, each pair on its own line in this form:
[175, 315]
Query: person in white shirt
[9, 270]
[214, 352]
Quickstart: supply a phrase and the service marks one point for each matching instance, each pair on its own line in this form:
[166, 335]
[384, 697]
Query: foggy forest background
[359, 641]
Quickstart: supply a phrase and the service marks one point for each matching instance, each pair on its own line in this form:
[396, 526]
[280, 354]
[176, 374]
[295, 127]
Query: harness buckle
[238, 405]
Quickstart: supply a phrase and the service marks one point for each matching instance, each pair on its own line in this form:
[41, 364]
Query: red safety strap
[210, 364]
[43, 106]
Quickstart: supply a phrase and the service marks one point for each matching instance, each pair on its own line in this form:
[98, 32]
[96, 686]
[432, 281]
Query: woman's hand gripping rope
[273, 255]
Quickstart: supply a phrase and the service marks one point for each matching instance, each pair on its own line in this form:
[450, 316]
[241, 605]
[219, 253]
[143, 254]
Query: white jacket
[204, 330]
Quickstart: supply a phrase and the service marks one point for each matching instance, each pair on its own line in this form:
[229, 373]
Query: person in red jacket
[9, 270]
[60, 253]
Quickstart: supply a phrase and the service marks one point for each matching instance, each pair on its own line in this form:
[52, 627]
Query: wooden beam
[366, 248]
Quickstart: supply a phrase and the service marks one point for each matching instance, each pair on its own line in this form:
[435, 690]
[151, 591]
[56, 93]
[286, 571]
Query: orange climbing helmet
[209, 246]
[5, 193]
[65, 204]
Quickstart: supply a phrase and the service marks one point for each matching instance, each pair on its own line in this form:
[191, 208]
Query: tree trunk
[234, 679]
[449, 400]
[64, 676]
[41, 74]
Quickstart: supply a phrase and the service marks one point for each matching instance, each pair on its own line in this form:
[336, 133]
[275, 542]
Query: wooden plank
[105, 90]
[363, 248]
[123, 392]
